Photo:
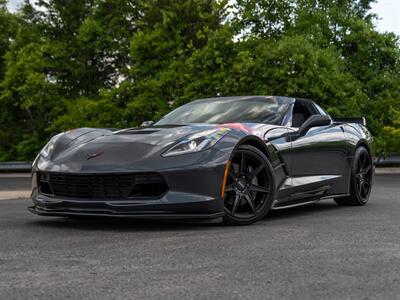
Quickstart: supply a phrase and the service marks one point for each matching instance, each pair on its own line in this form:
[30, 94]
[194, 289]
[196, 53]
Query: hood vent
[137, 132]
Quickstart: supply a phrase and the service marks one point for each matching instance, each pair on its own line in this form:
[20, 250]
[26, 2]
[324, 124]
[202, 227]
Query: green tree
[9, 25]
[171, 31]
[63, 56]
[369, 59]
[8, 30]
[115, 63]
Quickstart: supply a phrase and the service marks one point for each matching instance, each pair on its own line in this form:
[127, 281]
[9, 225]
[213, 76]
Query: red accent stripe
[228, 164]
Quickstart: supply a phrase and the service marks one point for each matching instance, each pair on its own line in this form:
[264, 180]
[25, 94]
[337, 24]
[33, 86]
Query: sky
[388, 12]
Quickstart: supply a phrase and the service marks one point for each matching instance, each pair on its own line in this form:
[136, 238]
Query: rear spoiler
[359, 120]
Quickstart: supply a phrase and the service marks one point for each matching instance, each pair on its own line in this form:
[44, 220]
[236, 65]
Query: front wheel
[360, 181]
[250, 186]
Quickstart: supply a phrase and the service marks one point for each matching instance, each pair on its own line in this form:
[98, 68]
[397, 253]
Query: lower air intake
[102, 186]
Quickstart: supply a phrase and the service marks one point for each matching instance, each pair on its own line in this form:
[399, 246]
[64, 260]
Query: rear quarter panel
[357, 134]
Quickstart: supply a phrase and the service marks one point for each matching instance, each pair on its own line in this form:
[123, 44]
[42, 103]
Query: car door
[319, 155]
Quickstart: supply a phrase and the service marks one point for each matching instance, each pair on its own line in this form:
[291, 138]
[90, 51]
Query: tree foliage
[116, 63]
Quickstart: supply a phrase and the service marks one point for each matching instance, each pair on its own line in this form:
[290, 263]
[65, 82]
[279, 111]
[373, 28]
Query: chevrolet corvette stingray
[220, 159]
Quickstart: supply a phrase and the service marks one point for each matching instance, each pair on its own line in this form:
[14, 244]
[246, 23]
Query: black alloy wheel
[360, 181]
[249, 190]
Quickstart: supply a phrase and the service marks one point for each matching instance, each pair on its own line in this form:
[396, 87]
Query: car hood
[97, 150]
[83, 139]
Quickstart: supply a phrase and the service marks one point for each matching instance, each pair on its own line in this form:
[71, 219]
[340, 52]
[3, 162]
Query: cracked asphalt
[320, 251]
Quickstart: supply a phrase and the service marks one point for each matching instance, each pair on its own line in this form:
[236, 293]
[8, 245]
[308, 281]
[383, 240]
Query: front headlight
[46, 151]
[197, 142]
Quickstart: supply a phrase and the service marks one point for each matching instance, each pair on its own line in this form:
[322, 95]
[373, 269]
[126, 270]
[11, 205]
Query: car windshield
[267, 111]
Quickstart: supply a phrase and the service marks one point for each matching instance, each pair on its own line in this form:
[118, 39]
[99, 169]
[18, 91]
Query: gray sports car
[228, 158]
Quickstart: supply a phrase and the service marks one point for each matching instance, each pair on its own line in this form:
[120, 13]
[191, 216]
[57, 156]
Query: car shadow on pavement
[117, 224]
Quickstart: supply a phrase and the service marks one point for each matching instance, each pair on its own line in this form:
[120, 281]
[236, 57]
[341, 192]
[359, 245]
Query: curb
[387, 171]
[17, 194]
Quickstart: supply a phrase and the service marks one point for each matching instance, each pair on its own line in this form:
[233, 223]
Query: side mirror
[147, 124]
[314, 121]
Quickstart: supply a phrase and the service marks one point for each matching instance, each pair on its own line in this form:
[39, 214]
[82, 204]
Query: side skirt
[289, 205]
[292, 204]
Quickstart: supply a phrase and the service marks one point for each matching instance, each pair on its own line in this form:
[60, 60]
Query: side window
[301, 112]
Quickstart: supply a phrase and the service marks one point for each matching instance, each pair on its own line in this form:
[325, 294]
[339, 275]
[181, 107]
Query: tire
[360, 179]
[250, 187]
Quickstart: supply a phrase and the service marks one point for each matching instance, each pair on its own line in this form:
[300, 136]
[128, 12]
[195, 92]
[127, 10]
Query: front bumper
[194, 192]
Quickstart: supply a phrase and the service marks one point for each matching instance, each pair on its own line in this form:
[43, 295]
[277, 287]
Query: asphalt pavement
[320, 251]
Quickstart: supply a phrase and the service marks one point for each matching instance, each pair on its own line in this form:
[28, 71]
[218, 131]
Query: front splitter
[214, 217]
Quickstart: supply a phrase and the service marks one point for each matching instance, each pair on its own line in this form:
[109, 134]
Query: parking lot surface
[321, 251]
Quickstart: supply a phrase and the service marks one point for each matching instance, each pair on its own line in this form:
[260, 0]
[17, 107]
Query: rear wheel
[360, 181]
[249, 188]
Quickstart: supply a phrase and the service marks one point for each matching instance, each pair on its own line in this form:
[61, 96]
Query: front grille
[107, 186]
